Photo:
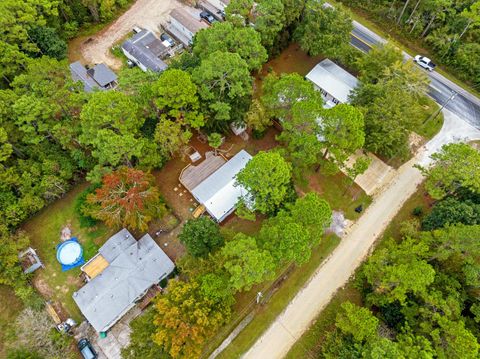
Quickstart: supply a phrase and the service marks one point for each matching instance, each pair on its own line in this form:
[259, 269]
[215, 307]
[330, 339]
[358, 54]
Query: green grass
[337, 191]
[44, 230]
[267, 313]
[429, 127]
[10, 307]
[310, 343]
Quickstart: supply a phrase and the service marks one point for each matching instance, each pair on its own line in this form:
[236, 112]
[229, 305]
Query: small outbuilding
[146, 51]
[97, 77]
[212, 183]
[119, 276]
[333, 82]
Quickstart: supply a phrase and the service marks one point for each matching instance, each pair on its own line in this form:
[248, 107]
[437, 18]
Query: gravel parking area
[149, 14]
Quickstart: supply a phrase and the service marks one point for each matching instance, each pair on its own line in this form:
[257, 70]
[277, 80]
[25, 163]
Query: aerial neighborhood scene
[239, 179]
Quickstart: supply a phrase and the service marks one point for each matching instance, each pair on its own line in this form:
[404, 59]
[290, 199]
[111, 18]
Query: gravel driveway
[148, 14]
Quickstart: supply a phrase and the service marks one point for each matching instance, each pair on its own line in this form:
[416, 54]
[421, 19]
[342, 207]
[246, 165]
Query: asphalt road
[464, 105]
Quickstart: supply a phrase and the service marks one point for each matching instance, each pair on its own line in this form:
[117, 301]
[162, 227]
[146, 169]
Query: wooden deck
[95, 266]
[192, 176]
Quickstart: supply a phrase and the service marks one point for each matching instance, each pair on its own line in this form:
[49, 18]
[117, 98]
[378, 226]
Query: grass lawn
[44, 230]
[10, 307]
[335, 190]
[266, 314]
[431, 127]
[310, 344]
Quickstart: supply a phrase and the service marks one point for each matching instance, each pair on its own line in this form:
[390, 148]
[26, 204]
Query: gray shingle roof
[147, 49]
[97, 77]
[187, 20]
[134, 266]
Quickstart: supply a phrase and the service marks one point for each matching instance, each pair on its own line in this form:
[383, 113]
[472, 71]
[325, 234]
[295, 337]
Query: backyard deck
[192, 176]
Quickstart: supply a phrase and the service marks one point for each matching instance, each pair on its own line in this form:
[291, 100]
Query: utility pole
[435, 114]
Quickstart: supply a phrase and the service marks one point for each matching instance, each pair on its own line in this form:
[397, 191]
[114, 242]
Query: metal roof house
[212, 183]
[335, 83]
[184, 25]
[146, 51]
[132, 267]
[97, 77]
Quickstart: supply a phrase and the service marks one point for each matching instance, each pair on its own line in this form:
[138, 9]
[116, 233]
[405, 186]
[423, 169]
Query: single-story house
[118, 276]
[146, 51]
[97, 77]
[212, 183]
[184, 25]
[215, 7]
[335, 83]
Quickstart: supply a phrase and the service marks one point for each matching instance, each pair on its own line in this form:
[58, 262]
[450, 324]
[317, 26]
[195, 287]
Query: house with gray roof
[97, 77]
[335, 83]
[146, 51]
[183, 25]
[119, 276]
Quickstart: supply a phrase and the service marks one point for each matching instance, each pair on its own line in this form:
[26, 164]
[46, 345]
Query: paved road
[354, 248]
[465, 105]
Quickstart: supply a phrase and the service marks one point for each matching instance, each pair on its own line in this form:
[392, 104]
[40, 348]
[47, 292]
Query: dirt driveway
[148, 14]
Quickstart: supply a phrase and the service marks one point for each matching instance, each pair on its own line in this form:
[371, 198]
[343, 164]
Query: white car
[424, 62]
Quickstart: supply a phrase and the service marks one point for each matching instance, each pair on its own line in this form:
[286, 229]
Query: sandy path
[148, 14]
[354, 248]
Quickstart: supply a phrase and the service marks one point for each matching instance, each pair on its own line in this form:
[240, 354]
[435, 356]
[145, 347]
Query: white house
[184, 25]
[333, 82]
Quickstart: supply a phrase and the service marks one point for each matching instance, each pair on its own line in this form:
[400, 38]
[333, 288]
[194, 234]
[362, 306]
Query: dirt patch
[149, 14]
[42, 287]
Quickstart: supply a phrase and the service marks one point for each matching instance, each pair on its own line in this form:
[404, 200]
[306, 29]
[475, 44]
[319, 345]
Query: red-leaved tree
[128, 197]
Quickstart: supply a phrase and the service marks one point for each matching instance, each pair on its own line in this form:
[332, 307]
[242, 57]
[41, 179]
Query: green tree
[246, 263]
[451, 211]
[49, 42]
[293, 9]
[215, 141]
[456, 165]
[224, 37]
[201, 236]
[256, 117]
[324, 29]
[453, 340]
[313, 213]
[110, 125]
[185, 319]
[269, 20]
[224, 83]
[280, 94]
[342, 133]
[175, 95]
[374, 62]
[357, 321]
[171, 137]
[267, 178]
[141, 339]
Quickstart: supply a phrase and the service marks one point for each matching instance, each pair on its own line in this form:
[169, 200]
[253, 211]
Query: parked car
[86, 349]
[424, 62]
[136, 29]
[167, 38]
[207, 16]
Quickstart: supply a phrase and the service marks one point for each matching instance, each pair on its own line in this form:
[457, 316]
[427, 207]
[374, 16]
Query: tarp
[78, 262]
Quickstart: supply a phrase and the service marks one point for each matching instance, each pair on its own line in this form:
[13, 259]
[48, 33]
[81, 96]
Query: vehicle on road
[167, 38]
[208, 17]
[424, 62]
[86, 349]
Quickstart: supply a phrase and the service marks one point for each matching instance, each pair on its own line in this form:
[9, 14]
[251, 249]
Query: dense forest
[450, 28]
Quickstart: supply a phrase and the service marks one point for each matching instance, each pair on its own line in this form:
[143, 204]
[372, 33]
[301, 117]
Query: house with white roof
[333, 82]
[183, 25]
[213, 183]
[119, 276]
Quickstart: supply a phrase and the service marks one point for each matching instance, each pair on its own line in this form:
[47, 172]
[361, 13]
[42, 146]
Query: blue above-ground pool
[70, 254]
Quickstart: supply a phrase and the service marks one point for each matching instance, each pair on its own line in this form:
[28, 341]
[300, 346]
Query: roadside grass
[10, 307]
[265, 314]
[395, 36]
[44, 230]
[337, 191]
[309, 345]
[429, 127]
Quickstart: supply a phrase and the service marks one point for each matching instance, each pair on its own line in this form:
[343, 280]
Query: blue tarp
[77, 263]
